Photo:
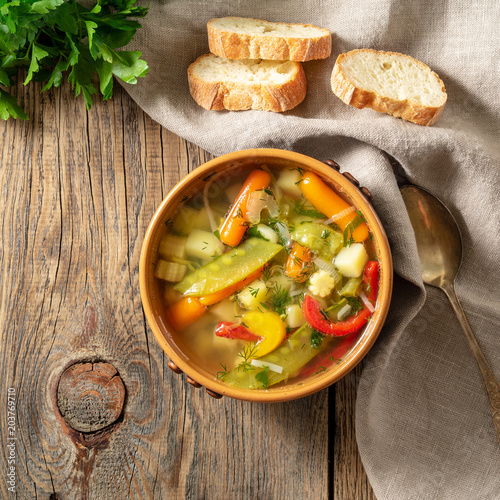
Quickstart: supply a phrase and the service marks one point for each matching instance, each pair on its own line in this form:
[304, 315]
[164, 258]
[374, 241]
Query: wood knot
[90, 396]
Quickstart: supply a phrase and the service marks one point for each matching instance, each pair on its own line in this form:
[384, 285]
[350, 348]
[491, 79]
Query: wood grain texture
[78, 191]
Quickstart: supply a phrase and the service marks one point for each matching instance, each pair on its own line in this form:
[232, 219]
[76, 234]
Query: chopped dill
[300, 170]
[320, 369]
[355, 303]
[302, 207]
[316, 339]
[253, 291]
[266, 274]
[246, 354]
[222, 372]
[279, 298]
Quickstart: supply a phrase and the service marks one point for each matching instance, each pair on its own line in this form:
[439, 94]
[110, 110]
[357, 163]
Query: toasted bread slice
[220, 83]
[389, 82]
[244, 38]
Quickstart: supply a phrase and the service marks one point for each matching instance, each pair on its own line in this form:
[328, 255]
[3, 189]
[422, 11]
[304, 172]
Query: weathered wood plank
[349, 477]
[79, 189]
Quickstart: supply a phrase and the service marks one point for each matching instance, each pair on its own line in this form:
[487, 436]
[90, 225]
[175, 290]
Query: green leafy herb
[266, 274]
[320, 369]
[246, 354]
[355, 304]
[262, 377]
[316, 339]
[302, 207]
[253, 291]
[279, 298]
[222, 372]
[254, 231]
[54, 39]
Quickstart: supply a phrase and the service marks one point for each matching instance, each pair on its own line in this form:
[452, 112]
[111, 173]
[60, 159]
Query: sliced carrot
[235, 225]
[208, 300]
[325, 200]
[298, 262]
[185, 311]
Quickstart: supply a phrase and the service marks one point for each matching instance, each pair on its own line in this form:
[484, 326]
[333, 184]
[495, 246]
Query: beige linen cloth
[423, 421]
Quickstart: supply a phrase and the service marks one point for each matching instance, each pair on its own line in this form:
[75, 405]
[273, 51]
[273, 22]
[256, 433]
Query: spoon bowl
[438, 238]
[439, 247]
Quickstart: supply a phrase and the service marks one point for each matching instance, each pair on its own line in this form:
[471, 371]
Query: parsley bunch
[56, 38]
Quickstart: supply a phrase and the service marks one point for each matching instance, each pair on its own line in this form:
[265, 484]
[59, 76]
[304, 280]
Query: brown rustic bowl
[216, 170]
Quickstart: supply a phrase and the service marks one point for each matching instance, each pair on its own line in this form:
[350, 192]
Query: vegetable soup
[267, 276]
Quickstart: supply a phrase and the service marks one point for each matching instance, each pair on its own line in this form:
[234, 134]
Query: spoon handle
[490, 382]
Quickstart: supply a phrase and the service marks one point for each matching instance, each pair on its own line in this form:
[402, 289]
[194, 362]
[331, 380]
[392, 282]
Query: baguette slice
[244, 38]
[220, 83]
[389, 82]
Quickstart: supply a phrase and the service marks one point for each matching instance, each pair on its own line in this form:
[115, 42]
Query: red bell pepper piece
[235, 331]
[370, 279]
[317, 319]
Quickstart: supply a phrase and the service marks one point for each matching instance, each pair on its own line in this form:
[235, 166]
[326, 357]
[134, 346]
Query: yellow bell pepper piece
[267, 325]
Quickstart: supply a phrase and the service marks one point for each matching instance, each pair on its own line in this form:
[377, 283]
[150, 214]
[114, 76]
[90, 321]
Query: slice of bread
[389, 82]
[220, 83]
[244, 38]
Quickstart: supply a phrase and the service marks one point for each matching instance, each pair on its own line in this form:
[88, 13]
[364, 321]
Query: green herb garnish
[279, 299]
[320, 369]
[57, 39]
[302, 207]
[355, 304]
[262, 377]
[246, 354]
[316, 339]
[222, 372]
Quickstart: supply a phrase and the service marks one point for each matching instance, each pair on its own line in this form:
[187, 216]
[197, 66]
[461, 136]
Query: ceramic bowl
[218, 170]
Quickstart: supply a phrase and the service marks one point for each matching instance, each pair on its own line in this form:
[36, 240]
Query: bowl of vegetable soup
[265, 275]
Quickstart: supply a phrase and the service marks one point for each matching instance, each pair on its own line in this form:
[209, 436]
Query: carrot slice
[325, 200]
[297, 263]
[185, 311]
[235, 225]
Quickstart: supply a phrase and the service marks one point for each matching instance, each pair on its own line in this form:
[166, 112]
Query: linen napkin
[423, 422]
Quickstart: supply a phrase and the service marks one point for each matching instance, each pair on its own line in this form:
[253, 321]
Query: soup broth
[268, 275]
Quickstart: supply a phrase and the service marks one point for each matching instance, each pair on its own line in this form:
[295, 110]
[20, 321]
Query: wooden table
[78, 191]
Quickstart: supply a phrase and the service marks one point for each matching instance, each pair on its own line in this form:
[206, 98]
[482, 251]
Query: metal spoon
[440, 250]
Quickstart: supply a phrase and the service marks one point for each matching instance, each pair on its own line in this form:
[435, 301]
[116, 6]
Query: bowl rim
[369, 336]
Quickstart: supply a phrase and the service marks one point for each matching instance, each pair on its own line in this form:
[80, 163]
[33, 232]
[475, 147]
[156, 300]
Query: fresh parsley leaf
[9, 107]
[57, 39]
[262, 377]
